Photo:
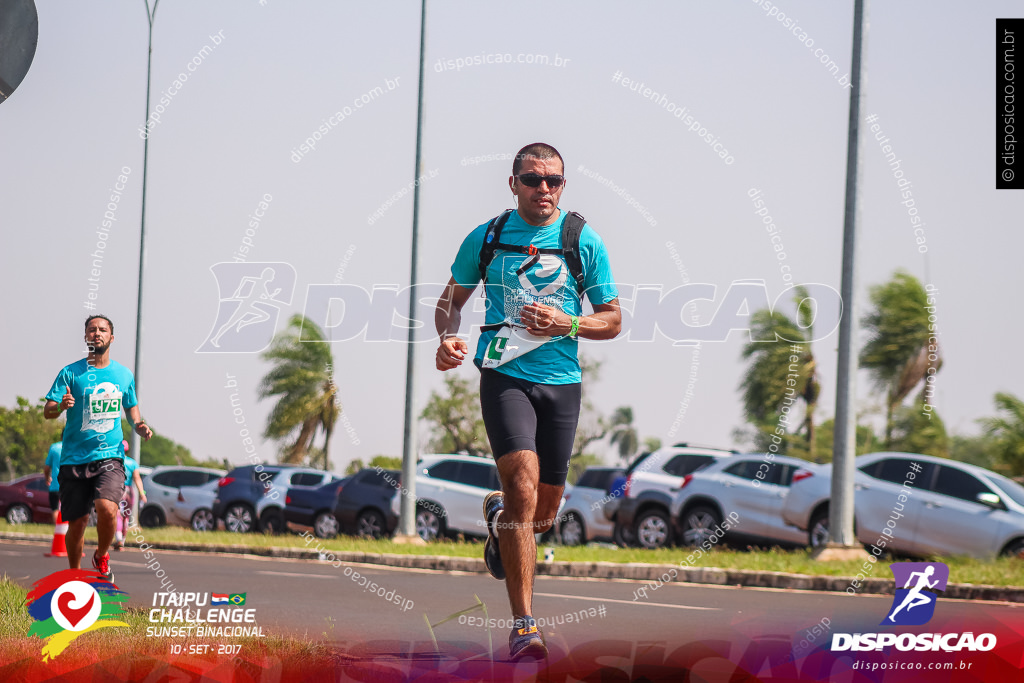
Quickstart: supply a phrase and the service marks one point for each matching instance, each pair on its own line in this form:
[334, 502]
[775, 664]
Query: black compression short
[527, 416]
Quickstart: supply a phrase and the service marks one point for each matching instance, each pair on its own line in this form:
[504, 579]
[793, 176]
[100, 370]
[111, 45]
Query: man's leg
[519, 472]
[106, 524]
[75, 541]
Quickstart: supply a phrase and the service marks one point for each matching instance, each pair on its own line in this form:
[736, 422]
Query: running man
[94, 391]
[530, 376]
[50, 470]
[914, 597]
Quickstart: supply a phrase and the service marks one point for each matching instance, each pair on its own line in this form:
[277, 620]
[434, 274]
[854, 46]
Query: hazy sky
[231, 133]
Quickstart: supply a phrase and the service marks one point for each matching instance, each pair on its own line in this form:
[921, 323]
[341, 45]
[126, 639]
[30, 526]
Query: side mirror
[991, 500]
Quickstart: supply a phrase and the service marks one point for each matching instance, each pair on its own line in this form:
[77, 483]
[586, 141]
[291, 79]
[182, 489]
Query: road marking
[304, 576]
[128, 564]
[626, 602]
[11, 552]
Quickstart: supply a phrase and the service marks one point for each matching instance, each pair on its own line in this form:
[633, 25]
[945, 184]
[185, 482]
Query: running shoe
[494, 503]
[102, 565]
[526, 640]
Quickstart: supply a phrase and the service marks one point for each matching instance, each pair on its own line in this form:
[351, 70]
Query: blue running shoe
[494, 503]
[526, 641]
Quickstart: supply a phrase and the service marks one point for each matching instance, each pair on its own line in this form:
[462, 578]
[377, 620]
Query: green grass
[1000, 572]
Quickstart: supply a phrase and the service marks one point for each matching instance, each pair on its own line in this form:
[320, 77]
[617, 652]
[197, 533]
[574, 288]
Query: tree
[578, 465]
[651, 444]
[386, 462]
[592, 425]
[915, 430]
[1007, 432]
[898, 354]
[302, 378]
[455, 421]
[781, 371]
[624, 433]
[25, 437]
[354, 467]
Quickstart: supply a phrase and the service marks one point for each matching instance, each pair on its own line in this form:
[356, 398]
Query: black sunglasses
[534, 180]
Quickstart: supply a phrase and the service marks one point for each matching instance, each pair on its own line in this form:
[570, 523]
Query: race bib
[510, 343]
[105, 406]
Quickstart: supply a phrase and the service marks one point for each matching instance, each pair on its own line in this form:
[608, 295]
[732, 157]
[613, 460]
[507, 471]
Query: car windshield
[1011, 488]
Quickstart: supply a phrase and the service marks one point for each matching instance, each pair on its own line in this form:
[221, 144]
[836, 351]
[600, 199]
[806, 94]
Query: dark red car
[26, 500]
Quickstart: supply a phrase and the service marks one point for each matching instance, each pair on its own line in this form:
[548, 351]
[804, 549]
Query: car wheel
[1014, 549]
[623, 536]
[203, 520]
[272, 522]
[429, 522]
[151, 517]
[699, 525]
[818, 530]
[572, 531]
[370, 524]
[653, 529]
[239, 518]
[18, 514]
[325, 525]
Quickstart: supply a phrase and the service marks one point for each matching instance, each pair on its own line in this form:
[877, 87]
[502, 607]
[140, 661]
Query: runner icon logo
[914, 603]
[251, 296]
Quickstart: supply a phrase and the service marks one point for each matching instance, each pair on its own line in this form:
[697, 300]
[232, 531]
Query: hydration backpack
[572, 226]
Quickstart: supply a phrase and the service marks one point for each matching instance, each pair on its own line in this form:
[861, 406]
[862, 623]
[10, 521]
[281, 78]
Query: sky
[266, 75]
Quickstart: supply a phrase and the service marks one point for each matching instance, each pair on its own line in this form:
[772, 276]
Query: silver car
[918, 505]
[450, 491]
[753, 486]
[166, 489]
[194, 507]
[582, 518]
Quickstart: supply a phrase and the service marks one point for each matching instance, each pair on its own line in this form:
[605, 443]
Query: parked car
[450, 492]
[642, 516]
[364, 504]
[751, 486]
[165, 487]
[26, 499]
[194, 507]
[946, 508]
[253, 496]
[314, 507]
[582, 518]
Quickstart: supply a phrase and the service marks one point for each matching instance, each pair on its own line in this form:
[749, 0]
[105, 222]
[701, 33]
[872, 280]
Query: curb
[598, 570]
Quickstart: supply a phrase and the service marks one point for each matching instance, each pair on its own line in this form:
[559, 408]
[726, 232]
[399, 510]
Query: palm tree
[769, 384]
[624, 433]
[302, 377]
[898, 354]
[1007, 431]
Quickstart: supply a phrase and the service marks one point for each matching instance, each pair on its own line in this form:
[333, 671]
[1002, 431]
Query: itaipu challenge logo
[70, 603]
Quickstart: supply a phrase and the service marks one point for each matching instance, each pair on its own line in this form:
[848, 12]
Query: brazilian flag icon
[237, 599]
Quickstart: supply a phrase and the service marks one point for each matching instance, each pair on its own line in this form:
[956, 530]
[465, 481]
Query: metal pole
[407, 526]
[845, 439]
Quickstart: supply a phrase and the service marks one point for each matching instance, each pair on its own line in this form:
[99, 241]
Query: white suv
[450, 492]
[652, 480]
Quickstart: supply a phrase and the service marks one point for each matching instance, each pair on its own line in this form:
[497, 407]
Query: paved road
[313, 598]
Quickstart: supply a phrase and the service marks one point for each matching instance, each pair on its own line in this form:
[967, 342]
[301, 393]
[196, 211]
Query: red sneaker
[102, 565]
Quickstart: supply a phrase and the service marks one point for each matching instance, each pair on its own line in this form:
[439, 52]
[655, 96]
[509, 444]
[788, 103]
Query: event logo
[251, 296]
[918, 580]
[913, 605]
[69, 603]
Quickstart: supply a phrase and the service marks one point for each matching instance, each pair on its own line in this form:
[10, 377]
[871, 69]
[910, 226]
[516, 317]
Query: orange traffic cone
[58, 549]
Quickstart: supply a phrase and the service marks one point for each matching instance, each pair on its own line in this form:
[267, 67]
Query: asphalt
[598, 570]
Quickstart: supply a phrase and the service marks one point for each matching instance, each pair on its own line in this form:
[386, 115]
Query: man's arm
[447, 319]
[46, 473]
[140, 426]
[52, 409]
[137, 480]
[545, 321]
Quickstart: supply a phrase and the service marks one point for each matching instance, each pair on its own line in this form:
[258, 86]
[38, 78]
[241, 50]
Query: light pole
[844, 446]
[407, 526]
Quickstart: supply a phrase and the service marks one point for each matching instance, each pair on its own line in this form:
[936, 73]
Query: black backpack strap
[572, 226]
[492, 242]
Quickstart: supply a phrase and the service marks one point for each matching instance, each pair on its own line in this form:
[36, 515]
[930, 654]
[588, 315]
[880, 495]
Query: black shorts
[81, 484]
[526, 416]
[54, 499]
